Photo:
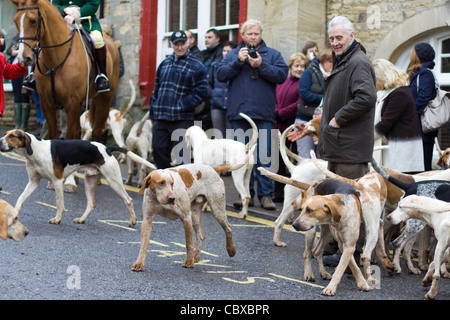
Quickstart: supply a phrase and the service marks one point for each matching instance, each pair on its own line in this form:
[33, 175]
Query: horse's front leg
[73, 112]
[49, 111]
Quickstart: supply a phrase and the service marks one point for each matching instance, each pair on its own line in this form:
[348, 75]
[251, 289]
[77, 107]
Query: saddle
[90, 48]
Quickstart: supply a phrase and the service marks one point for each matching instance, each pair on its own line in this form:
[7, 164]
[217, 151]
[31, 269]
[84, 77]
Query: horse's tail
[132, 99]
[133, 156]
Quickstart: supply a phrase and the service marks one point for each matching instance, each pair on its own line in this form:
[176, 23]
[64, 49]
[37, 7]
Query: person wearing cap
[254, 70]
[180, 86]
[423, 89]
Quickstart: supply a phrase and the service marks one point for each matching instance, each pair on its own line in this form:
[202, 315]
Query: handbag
[437, 112]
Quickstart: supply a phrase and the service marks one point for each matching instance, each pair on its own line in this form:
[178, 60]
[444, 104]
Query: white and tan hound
[10, 226]
[342, 212]
[180, 193]
[56, 159]
[436, 214]
[219, 152]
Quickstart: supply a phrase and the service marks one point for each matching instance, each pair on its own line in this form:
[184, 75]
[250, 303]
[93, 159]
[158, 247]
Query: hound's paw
[54, 221]
[329, 291]
[278, 243]
[78, 220]
[188, 263]
[137, 266]
[309, 277]
[132, 222]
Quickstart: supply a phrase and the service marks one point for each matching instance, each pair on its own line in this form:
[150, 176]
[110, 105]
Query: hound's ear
[335, 207]
[146, 182]
[3, 225]
[28, 144]
[16, 2]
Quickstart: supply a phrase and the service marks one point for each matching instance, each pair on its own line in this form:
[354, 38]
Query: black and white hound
[56, 159]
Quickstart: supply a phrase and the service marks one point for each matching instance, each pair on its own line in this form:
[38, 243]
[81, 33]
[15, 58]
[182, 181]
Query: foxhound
[306, 171]
[10, 226]
[139, 140]
[218, 152]
[180, 193]
[436, 214]
[342, 211]
[56, 159]
[433, 187]
[373, 192]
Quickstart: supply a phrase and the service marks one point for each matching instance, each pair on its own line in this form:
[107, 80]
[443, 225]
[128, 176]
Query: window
[445, 56]
[225, 18]
[182, 14]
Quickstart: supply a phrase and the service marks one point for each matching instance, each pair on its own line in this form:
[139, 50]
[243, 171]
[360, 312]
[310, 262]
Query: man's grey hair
[341, 20]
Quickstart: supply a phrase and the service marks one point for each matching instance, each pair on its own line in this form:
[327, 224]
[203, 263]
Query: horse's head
[29, 24]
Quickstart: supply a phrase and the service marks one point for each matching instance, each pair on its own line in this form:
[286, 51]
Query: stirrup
[102, 83]
[29, 82]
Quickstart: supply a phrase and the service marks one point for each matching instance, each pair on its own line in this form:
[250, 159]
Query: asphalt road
[92, 261]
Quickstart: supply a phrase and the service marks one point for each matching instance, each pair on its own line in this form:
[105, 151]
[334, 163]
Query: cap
[178, 35]
[425, 52]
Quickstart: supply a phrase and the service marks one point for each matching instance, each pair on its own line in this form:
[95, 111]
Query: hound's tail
[254, 138]
[285, 152]
[236, 166]
[133, 156]
[386, 176]
[283, 179]
[130, 103]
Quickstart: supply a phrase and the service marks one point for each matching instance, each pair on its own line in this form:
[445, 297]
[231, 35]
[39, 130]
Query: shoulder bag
[437, 112]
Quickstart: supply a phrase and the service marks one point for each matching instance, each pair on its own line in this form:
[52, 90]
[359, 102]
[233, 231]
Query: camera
[252, 52]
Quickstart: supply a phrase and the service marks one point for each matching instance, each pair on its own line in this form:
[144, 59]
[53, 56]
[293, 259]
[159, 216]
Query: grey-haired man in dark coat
[346, 130]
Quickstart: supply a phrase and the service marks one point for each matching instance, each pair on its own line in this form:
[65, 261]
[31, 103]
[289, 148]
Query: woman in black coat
[423, 88]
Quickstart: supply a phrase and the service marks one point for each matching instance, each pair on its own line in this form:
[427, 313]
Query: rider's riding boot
[17, 115]
[101, 81]
[29, 82]
[25, 116]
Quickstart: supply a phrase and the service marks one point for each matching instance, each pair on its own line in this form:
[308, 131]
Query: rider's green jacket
[88, 8]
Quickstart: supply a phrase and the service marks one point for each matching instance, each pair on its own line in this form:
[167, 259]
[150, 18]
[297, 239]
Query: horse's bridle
[38, 48]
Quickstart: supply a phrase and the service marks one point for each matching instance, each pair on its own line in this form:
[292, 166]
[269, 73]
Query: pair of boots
[21, 115]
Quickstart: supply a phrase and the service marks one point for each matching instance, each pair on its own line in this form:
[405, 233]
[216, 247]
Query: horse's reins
[37, 49]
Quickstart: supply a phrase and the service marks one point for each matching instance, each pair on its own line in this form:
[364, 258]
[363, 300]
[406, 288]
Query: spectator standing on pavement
[311, 87]
[396, 121]
[21, 99]
[254, 70]
[347, 125]
[219, 93]
[423, 88]
[195, 51]
[288, 98]
[180, 86]
[8, 71]
[212, 53]
[310, 50]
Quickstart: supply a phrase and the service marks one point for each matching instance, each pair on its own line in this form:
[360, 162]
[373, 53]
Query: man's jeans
[264, 153]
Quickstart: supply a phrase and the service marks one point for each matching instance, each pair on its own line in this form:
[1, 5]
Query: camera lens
[252, 52]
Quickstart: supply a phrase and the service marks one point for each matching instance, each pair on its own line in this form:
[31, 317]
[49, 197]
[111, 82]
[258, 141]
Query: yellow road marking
[299, 281]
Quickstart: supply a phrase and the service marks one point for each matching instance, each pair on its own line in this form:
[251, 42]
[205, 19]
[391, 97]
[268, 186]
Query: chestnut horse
[61, 71]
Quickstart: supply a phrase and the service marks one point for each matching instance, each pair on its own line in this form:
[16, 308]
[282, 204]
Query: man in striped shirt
[180, 86]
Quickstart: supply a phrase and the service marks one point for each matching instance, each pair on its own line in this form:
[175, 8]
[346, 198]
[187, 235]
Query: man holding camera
[254, 70]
